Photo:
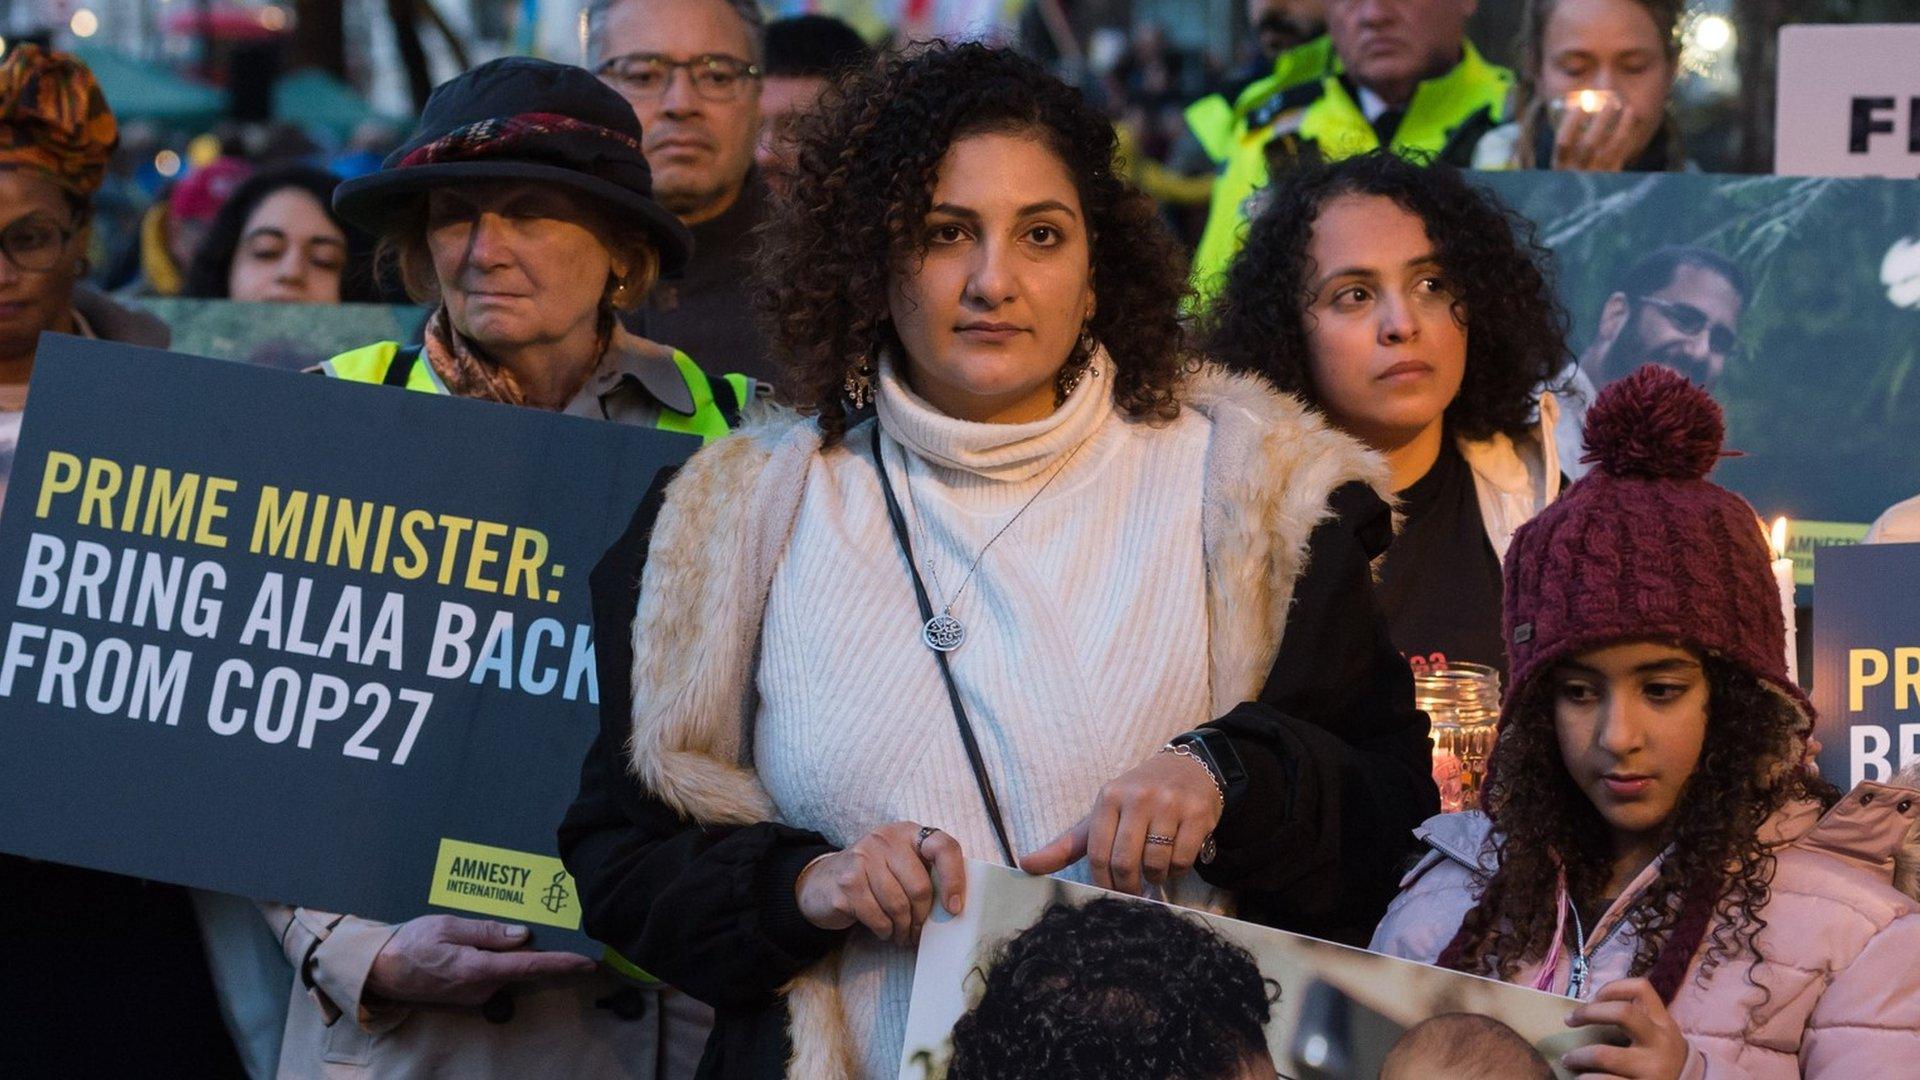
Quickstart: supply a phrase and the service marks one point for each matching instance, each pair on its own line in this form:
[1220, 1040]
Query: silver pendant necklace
[944, 633]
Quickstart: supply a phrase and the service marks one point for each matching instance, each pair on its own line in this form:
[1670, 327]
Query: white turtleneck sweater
[1086, 642]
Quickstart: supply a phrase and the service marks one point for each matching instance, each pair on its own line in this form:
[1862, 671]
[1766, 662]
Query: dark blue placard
[226, 802]
[1866, 659]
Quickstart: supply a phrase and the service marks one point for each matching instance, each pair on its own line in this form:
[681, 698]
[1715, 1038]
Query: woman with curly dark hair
[1117, 988]
[1413, 310]
[1061, 597]
[1653, 843]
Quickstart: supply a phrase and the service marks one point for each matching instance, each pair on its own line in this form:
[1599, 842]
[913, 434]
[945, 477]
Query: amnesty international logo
[505, 884]
[556, 896]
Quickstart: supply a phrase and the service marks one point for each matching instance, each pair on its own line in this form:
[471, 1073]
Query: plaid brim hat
[519, 118]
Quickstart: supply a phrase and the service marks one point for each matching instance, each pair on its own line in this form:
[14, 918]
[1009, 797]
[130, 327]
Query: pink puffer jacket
[1840, 955]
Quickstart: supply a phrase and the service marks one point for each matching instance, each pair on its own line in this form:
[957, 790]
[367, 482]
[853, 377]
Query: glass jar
[1463, 701]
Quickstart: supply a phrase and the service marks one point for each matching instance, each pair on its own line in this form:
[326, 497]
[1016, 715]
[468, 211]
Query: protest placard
[1848, 101]
[1866, 660]
[1334, 1012]
[301, 639]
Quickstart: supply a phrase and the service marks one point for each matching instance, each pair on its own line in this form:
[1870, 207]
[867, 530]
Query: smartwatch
[1215, 750]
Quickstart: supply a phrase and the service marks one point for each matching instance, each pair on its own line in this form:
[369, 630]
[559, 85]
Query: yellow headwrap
[54, 118]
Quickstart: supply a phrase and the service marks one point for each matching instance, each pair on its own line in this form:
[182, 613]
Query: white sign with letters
[1849, 101]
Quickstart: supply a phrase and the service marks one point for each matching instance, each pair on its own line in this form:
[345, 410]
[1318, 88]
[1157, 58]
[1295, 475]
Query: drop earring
[859, 386]
[1079, 365]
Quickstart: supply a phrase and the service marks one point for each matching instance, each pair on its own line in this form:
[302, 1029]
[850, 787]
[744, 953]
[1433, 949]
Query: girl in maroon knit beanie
[1652, 843]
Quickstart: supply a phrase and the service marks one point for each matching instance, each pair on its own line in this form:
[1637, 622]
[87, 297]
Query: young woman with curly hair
[1413, 310]
[1062, 597]
[1652, 842]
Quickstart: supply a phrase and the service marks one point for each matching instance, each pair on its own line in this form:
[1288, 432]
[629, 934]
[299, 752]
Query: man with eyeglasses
[691, 71]
[1678, 306]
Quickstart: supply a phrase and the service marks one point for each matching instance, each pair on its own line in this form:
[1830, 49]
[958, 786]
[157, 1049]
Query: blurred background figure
[691, 70]
[1278, 26]
[372, 141]
[1151, 73]
[803, 54]
[1594, 88]
[1394, 74]
[171, 232]
[278, 240]
[85, 952]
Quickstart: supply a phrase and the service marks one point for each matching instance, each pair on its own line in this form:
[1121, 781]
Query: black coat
[1337, 757]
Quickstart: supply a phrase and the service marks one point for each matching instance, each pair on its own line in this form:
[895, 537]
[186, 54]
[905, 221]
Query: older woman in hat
[522, 207]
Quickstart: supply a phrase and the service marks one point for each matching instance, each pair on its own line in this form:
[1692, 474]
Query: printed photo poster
[1866, 657]
[290, 337]
[1802, 317]
[298, 639]
[983, 985]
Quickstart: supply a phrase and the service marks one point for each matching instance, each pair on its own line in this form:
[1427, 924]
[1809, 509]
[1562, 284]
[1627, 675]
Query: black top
[1440, 585]
[1336, 755]
[706, 311]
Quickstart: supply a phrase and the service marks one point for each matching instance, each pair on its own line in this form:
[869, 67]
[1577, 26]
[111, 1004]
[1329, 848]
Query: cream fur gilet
[728, 517]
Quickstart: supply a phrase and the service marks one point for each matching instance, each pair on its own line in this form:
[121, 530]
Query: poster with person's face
[1795, 301]
[1043, 977]
[286, 336]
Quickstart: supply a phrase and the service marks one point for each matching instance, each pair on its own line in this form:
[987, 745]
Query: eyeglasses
[34, 244]
[1690, 320]
[716, 78]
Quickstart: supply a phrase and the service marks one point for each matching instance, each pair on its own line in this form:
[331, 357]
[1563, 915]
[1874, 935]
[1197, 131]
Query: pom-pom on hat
[1645, 547]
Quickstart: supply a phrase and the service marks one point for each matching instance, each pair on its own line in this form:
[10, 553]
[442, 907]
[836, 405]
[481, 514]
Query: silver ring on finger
[919, 842]
[1156, 838]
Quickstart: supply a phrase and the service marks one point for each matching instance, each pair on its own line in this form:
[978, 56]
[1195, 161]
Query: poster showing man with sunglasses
[1678, 306]
[1792, 300]
[1675, 305]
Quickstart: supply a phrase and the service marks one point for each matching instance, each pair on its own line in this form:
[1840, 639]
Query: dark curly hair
[863, 185]
[1115, 988]
[1714, 880]
[1516, 326]
[212, 265]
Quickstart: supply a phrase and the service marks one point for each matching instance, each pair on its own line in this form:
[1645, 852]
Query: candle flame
[1779, 538]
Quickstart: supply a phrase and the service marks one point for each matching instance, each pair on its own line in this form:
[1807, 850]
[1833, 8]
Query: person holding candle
[1653, 842]
[1415, 312]
[1593, 85]
[1065, 598]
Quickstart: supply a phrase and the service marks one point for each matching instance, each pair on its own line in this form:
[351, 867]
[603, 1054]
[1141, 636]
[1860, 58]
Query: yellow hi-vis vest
[710, 419]
[375, 364]
[1304, 101]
